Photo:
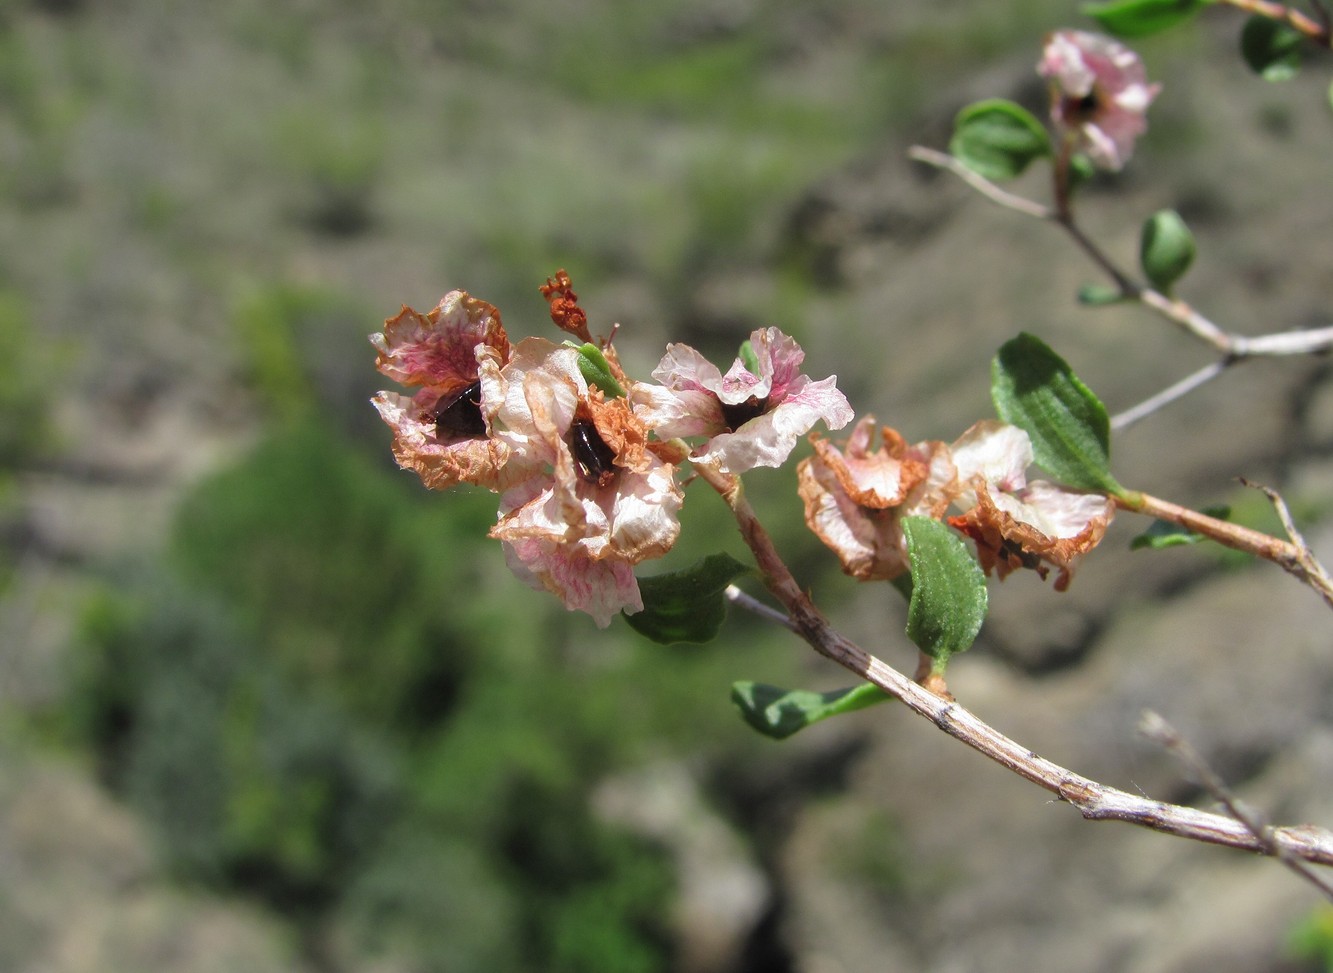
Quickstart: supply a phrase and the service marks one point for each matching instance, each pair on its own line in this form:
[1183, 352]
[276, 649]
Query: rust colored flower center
[595, 460]
[742, 412]
[459, 415]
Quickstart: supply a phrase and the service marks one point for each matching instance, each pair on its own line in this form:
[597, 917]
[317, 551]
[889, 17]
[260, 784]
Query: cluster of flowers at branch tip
[856, 496]
[585, 460]
[1099, 95]
[586, 471]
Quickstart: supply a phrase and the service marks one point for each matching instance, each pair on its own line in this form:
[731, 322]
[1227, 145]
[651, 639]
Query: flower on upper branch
[855, 497]
[1017, 524]
[440, 433]
[603, 499]
[1099, 94]
[753, 415]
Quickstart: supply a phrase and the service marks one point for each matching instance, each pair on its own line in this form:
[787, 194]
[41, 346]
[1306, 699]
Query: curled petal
[600, 588]
[443, 462]
[1043, 524]
[868, 541]
[439, 348]
[995, 451]
[856, 497]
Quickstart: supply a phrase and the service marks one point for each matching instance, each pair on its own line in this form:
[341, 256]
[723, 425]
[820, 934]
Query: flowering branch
[1094, 801]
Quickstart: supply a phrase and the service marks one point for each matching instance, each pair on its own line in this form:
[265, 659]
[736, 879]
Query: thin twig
[1168, 395]
[943, 160]
[1276, 11]
[1157, 729]
[753, 605]
[1095, 801]
[1307, 566]
[1179, 312]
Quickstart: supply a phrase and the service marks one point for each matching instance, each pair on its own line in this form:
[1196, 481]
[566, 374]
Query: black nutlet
[459, 416]
[738, 414]
[595, 460]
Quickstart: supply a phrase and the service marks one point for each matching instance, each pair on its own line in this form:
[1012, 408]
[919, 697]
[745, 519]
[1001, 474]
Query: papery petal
[868, 542]
[1009, 535]
[600, 588]
[683, 369]
[439, 348]
[996, 452]
[442, 464]
[768, 439]
[672, 414]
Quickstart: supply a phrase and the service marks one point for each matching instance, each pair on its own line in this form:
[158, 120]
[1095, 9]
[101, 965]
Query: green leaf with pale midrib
[1035, 389]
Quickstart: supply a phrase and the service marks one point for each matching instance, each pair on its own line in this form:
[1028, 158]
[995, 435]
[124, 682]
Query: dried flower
[602, 501]
[753, 415]
[855, 498]
[440, 433]
[1017, 524]
[1099, 94]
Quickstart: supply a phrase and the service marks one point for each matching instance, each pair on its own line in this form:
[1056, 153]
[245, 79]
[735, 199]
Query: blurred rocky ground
[873, 842]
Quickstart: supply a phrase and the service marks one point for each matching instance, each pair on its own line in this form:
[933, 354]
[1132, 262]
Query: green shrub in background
[310, 712]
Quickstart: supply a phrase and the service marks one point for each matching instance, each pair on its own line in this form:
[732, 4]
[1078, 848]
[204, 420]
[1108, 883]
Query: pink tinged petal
[768, 440]
[442, 464]
[1062, 514]
[600, 588]
[995, 451]
[439, 348]
[672, 414]
[869, 543]
[783, 357]
[683, 369]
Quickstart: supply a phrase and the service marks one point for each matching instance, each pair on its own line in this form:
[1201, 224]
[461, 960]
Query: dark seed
[595, 460]
[459, 415]
[742, 412]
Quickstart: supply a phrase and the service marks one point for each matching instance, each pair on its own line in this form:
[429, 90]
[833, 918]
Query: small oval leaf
[1100, 295]
[688, 605]
[1139, 18]
[1166, 249]
[948, 590]
[778, 713]
[1271, 48]
[1035, 389]
[997, 138]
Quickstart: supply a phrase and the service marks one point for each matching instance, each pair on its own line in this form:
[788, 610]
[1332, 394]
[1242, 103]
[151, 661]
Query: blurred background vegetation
[317, 684]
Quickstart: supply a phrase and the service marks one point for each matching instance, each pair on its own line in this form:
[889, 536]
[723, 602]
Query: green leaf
[778, 713]
[1139, 18]
[1271, 48]
[595, 369]
[748, 357]
[1035, 389]
[997, 138]
[1162, 534]
[1166, 249]
[688, 605]
[1100, 295]
[948, 590]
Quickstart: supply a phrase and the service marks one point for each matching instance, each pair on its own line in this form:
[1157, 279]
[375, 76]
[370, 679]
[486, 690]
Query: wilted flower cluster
[856, 496]
[586, 474]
